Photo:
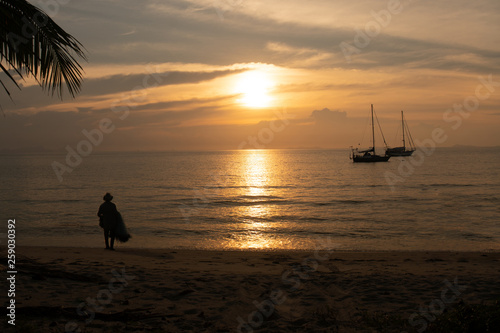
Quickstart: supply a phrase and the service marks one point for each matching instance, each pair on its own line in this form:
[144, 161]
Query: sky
[232, 74]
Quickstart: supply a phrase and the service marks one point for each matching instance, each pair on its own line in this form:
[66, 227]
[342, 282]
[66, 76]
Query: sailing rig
[404, 150]
[369, 155]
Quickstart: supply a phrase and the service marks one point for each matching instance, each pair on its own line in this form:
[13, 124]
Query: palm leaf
[32, 44]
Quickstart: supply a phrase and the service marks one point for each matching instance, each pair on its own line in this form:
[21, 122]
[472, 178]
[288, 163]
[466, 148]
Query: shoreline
[139, 290]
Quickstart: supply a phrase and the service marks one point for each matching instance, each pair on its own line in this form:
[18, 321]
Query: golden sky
[230, 74]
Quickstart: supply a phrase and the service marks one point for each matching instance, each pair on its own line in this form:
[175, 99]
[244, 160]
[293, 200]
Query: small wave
[472, 236]
[313, 219]
[343, 201]
[233, 203]
[42, 201]
[450, 185]
[493, 199]
[253, 197]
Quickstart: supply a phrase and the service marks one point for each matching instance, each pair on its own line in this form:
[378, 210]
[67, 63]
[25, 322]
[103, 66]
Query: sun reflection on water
[255, 173]
[256, 178]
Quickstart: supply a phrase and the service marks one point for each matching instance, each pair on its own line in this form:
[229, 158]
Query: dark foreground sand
[128, 290]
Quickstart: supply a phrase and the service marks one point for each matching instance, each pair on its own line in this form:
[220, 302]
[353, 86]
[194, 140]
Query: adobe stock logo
[455, 117]
[222, 6]
[266, 134]
[372, 28]
[121, 108]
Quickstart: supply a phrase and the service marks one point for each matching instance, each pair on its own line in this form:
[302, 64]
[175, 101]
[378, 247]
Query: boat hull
[370, 158]
[400, 151]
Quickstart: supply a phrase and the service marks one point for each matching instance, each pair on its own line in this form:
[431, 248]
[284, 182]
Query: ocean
[447, 199]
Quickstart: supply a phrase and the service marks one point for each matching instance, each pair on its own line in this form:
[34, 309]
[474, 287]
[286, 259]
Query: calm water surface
[261, 199]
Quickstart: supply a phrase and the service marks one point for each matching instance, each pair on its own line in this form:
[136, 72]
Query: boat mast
[373, 133]
[403, 128]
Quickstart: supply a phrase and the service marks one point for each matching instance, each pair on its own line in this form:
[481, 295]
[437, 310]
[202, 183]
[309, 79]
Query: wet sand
[139, 290]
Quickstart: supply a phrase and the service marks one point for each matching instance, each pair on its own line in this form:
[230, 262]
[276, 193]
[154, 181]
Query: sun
[254, 87]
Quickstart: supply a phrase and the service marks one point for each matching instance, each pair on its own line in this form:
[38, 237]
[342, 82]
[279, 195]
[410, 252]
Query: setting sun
[254, 87]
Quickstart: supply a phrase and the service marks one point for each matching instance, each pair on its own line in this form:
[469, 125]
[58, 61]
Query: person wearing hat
[108, 219]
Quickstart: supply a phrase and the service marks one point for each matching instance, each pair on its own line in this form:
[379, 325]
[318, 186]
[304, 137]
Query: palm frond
[33, 44]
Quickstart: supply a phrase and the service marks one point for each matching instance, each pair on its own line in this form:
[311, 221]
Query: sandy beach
[139, 290]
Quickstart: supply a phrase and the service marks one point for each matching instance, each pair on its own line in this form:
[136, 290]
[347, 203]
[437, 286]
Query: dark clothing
[108, 215]
[109, 234]
[108, 220]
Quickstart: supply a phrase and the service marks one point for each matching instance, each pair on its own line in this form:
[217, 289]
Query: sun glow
[254, 86]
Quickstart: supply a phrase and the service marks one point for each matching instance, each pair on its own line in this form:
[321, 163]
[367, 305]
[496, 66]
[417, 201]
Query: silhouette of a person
[108, 220]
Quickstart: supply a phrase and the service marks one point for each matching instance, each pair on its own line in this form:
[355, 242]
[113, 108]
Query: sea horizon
[63, 152]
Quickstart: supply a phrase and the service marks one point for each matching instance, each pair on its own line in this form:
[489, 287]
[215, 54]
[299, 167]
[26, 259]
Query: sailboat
[403, 151]
[368, 155]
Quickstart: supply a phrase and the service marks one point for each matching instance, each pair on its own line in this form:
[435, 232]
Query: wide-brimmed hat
[107, 197]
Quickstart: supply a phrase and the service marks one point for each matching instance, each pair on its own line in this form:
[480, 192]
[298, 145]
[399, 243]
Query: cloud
[54, 130]
[128, 33]
[328, 116]
[33, 96]
[123, 83]
[290, 33]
